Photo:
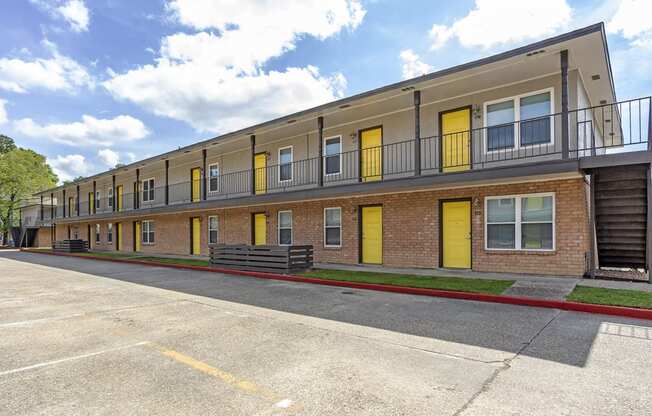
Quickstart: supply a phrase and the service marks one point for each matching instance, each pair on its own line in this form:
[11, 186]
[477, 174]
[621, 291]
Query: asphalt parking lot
[92, 337]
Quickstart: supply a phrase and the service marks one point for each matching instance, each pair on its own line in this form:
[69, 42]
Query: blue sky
[90, 83]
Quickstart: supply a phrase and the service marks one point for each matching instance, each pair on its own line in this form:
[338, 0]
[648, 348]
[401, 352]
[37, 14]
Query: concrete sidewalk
[535, 286]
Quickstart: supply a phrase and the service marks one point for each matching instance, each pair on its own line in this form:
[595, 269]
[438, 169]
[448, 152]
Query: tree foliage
[23, 172]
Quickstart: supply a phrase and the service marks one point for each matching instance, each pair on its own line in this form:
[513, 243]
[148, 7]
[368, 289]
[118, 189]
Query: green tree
[23, 172]
[6, 144]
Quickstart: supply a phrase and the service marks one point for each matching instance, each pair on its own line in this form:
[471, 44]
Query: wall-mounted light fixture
[477, 112]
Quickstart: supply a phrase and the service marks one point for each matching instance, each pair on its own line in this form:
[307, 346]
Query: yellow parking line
[225, 376]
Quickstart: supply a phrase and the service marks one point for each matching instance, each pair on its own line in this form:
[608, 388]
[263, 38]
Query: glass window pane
[501, 210]
[332, 147]
[333, 217]
[535, 106]
[212, 223]
[333, 236]
[285, 156]
[286, 172]
[212, 237]
[535, 131]
[501, 236]
[285, 219]
[536, 208]
[285, 236]
[536, 236]
[500, 113]
[332, 165]
[213, 184]
[501, 137]
[214, 170]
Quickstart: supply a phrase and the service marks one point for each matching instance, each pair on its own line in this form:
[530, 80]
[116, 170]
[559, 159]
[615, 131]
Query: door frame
[382, 142]
[382, 215]
[441, 229]
[192, 183]
[264, 191]
[441, 136]
[192, 236]
[253, 226]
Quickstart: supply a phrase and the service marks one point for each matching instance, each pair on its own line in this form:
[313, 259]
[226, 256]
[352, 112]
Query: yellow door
[137, 236]
[455, 127]
[118, 195]
[456, 234]
[260, 229]
[91, 202]
[195, 191]
[118, 230]
[372, 235]
[196, 236]
[371, 154]
[260, 172]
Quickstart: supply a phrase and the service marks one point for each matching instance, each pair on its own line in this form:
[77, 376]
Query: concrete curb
[480, 297]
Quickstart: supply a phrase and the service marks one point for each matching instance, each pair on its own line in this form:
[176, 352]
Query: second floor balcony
[581, 133]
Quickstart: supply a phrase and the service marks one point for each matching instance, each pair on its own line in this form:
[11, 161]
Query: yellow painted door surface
[91, 202]
[118, 230]
[195, 173]
[455, 140]
[260, 229]
[196, 236]
[137, 236]
[371, 157]
[118, 194]
[260, 172]
[456, 234]
[372, 235]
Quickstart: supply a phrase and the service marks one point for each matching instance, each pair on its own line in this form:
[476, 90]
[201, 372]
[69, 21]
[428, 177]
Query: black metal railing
[592, 131]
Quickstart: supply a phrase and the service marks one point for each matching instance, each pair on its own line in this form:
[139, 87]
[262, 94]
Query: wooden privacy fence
[279, 259]
[70, 246]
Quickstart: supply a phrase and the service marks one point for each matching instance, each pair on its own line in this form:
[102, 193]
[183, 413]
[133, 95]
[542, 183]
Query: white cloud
[632, 20]
[73, 12]
[56, 73]
[109, 157]
[88, 132]
[493, 22]
[216, 81]
[3, 112]
[69, 167]
[412, 65]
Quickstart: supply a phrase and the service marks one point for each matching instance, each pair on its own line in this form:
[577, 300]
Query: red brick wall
[410, 229]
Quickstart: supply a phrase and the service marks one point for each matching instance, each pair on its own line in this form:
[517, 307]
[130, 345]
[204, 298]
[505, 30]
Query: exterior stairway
[621, 207]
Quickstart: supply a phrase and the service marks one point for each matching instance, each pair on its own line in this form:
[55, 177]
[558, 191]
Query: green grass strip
[614, 297]
[494, 287]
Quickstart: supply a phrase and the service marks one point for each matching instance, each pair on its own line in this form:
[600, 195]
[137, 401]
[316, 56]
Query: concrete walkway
[536, 286]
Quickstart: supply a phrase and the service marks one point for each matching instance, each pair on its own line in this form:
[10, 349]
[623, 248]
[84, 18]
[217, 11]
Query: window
[285, 228]
[148, 232]
[332, 158]
[110, 194]
[109, 233]
[285, 164]
[212, 229]
[519, 121]
[97, 200]
[97, 233]
[333, 227]
[520, 222]
[148, 190]
[214, 178]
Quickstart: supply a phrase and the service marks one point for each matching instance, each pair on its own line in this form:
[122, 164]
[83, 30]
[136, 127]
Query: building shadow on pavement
[548, 334]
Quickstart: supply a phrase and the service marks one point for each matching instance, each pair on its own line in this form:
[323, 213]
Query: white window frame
[148, 180]
[291, 147]
[97, 200]
[518, 222]
[339, 172]
[517, 118]
[278, 226]
[217, 230]
[325, 227]
[142, 232]
[109, 233]
[110, 197]
[210, 168]
[98, 233]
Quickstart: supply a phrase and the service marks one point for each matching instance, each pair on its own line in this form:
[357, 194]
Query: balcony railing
[594, 131]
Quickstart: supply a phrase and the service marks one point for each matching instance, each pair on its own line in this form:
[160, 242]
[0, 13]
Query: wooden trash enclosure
[70, 246]
[279, 259]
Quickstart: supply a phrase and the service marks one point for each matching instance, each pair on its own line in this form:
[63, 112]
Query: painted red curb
[480, 297]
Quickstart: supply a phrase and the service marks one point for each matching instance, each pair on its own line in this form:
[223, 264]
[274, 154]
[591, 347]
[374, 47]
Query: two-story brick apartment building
[512, 163]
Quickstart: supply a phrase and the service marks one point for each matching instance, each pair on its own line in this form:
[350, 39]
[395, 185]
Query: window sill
[521, 252]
